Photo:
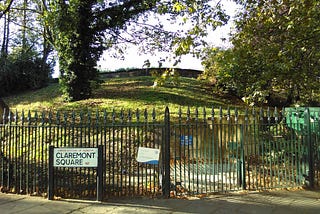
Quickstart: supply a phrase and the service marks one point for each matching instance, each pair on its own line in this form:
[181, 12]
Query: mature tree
[278, 42]
[23, 62]
[83, 29]
[275, 50]
[5, 15]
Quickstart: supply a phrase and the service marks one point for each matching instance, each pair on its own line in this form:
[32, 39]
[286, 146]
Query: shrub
[19, 74]
[168, 77]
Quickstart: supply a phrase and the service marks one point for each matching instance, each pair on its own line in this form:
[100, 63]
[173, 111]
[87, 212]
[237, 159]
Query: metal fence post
[51, 175]
[242, 158]
[100, 170]
[309, 147]
[166, 155]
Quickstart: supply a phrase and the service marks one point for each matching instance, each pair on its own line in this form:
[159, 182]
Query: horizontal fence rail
[202, 151]
[25, 143]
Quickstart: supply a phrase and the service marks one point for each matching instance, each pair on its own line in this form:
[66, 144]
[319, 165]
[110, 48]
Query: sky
[132, 59]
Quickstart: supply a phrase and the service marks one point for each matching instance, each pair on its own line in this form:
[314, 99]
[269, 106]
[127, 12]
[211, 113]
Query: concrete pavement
[271, 202]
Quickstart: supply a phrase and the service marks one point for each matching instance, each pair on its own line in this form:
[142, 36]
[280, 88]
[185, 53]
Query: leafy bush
[168, 77]
[19, 74]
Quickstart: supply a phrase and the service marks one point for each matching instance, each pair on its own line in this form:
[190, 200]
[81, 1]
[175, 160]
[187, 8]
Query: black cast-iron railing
[202, 151]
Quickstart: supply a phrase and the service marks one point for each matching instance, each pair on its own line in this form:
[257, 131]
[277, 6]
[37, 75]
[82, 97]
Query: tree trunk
[5, 36]
[4, 108]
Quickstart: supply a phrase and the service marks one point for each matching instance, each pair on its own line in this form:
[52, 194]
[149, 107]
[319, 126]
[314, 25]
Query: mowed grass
[127, 93]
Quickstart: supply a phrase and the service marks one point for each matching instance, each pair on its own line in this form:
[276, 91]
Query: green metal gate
[305, 122]
[228, 151]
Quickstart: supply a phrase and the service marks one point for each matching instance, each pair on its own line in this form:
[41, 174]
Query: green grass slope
[126, 93]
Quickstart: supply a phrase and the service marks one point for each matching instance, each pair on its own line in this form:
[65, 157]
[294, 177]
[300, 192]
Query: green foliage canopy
[275, 51]
[281, 45]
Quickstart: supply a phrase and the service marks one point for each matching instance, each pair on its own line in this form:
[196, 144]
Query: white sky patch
[134, 59]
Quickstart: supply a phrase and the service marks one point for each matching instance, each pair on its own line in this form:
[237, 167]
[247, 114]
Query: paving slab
[271, 202]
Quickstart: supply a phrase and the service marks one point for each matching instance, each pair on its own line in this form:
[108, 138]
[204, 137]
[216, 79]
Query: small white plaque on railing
[148, 155]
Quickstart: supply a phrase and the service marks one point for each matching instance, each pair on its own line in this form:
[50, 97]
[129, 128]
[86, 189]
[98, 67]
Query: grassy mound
[127, 93]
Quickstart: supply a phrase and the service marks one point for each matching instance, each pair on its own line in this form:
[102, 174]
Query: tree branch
[7, 9]
[117, 16]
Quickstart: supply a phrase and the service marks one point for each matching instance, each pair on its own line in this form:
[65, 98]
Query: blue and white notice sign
[148, 155]
[186, 140]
